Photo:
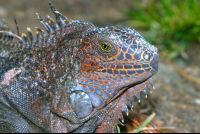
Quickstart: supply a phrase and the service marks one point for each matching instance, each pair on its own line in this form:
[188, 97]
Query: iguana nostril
[155, 59]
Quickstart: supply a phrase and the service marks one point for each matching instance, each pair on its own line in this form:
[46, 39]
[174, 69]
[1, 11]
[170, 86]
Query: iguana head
[111, 60]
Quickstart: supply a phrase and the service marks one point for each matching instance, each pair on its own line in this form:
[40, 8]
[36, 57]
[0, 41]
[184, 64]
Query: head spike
[151, 82]
[149, 87]
[25, 39]
[17, 26]
[51, 6]
[6, 28]
[145, 92]
[138, 97]
[132, 101]
[58, 15]
[30, 34]
[61, 19]
[45, 25]
[129, 105]
[52, 23]
[126, 110]
[6, 33]
[121, 117]
[41, 31]
[39, 38]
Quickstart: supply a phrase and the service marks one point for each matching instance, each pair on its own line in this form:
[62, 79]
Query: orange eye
[105, 47]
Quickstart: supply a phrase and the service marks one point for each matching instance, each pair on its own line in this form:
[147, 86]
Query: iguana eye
[105, 47]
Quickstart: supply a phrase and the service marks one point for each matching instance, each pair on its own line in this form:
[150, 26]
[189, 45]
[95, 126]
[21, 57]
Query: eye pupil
[105, 47]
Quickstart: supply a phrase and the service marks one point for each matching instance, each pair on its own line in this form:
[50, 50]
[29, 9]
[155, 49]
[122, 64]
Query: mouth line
[139, 82]
[125, 88]
[129, 71]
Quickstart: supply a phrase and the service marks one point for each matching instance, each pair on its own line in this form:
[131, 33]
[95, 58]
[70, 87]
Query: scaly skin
[75, 78]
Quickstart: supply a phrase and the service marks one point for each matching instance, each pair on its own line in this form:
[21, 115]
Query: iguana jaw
[145, 84]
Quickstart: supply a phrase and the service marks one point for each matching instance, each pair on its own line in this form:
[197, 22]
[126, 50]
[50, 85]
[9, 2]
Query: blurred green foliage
[172, 23]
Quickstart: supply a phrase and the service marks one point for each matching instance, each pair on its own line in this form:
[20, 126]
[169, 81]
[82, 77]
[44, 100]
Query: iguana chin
[73, 77]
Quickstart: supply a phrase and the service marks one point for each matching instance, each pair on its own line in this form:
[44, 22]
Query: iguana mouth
[144, 85]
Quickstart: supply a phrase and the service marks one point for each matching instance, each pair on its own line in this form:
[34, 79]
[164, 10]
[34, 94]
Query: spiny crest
[6, 32]
[22, 46]
[52, 30]
[61, 19]
[51, 27]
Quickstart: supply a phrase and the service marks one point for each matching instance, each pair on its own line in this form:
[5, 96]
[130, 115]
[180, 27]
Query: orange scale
[111, 66]
[150, 73]
[91, 91]
[144, 75]
[138, 77]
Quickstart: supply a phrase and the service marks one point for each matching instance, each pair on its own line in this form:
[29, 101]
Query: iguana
[73, 77]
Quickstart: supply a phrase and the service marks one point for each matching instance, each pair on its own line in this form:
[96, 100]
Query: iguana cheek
[90, 64]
